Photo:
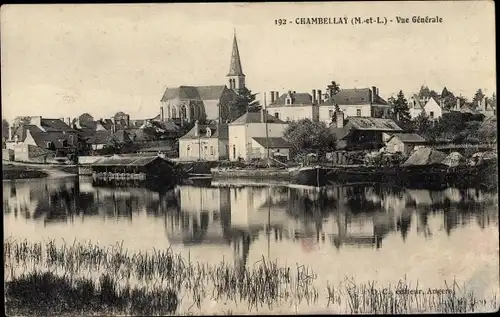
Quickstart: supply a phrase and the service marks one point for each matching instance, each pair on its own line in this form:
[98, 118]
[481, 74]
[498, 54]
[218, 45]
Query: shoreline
[20, 170]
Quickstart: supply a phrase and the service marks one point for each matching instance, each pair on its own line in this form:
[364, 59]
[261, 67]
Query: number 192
[280, 21]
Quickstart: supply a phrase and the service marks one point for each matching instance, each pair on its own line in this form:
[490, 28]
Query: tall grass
[158, 282]
[263, 283]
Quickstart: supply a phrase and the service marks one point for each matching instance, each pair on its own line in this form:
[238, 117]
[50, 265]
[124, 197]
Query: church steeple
[236, 76]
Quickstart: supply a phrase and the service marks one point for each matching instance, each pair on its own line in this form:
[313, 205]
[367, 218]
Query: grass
[44, 293]
[264, 283]
[47, 279]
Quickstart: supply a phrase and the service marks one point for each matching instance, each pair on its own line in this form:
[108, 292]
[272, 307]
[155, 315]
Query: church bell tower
[235, 75]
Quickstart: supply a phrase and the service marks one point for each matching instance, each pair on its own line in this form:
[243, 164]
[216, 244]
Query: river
[366, 232]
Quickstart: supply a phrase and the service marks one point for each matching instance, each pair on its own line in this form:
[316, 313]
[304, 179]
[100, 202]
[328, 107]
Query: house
[43, 139]
[433, 109]
[249, 126]
[204, 143]
[487, 109]
[404, 143]
[361, 102]
[416, 106]
[278, 148]
[190, 103]
[362, 132]
[294, 106]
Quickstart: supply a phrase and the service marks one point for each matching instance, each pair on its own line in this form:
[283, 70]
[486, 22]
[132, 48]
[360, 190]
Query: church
[206, 103]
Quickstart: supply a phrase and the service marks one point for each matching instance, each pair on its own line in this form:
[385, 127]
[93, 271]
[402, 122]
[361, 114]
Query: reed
[403, 298]
[263, 283]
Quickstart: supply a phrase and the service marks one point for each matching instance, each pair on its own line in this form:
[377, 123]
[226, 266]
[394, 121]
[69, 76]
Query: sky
[64, 60]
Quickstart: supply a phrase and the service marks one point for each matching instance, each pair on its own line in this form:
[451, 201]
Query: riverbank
[19, 170]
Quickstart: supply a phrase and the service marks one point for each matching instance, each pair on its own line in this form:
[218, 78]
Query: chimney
[277, 96]
[458, 104]
[162, 117]
[127, 120]
[374, 93]
[320, 97]
[262, 115]
[10, 133]
[339, 118]
[196, 128]
[37, 120]
[68, 122]
[314, 96]
[272, 96]
[77, 123]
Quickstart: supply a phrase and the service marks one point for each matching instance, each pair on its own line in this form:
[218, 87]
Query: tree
[307, 136]
[422, 124]
[478, 97]
[401, 110]
[333, 89]
[448, 99]
[5, 129]
[493, 101]
[120, 115]
[20, 121]
[245, 101]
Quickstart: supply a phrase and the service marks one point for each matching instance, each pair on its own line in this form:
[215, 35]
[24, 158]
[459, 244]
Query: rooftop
[409, 137]
[273, 143]
[375, 124]
[128, 161]
[194, 93]
[297, 99]
[256, 117]
[217, 131]
[355, 96]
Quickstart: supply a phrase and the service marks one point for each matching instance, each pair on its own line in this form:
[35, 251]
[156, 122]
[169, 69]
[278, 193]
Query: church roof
[235, 68]
[194, 93]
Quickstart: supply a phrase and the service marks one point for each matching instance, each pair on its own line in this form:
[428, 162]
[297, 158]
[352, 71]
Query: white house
[294, 106]
[204, 143]
[252, 125]
[433, 109]
[363, 102]
[416, 105]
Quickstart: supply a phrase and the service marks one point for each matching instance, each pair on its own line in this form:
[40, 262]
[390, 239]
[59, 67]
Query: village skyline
[71, 59]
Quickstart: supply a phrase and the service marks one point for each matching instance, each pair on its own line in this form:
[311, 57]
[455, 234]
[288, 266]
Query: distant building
[433, 109]
[294, 106]
[190, 103]
[357, 102]
[404, 143]
[355, 133]
[43, 140]
[243, 130]
[278, 148]
[484, 107]
[416, 106]
[205, 143]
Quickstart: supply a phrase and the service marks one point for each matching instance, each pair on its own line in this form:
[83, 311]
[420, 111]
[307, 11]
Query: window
[330, 113]
[277, 115]
[71, 139]
[174, 113]
[288, 101]
[211, 150]
[431, 114]
[209, 132]
[358, 112]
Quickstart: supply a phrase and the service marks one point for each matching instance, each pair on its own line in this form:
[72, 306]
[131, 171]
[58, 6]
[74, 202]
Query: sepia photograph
[241, 158]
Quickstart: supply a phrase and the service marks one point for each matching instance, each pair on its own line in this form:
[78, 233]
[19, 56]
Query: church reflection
[238, 216]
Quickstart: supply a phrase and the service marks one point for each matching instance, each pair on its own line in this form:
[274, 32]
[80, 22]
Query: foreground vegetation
[46, 279]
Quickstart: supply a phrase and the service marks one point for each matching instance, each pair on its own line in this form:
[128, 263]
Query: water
[365, 232]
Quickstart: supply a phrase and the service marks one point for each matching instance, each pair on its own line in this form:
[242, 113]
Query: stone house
[357, 102]
[294, 106]
[204, 143]
[252, 125]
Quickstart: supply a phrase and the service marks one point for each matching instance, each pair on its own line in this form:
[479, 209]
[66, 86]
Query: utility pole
[267, 131]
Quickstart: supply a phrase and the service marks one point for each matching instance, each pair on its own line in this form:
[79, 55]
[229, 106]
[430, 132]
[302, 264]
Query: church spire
[235, 66]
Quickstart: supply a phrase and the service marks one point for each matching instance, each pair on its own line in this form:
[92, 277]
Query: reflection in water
[344, 217]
